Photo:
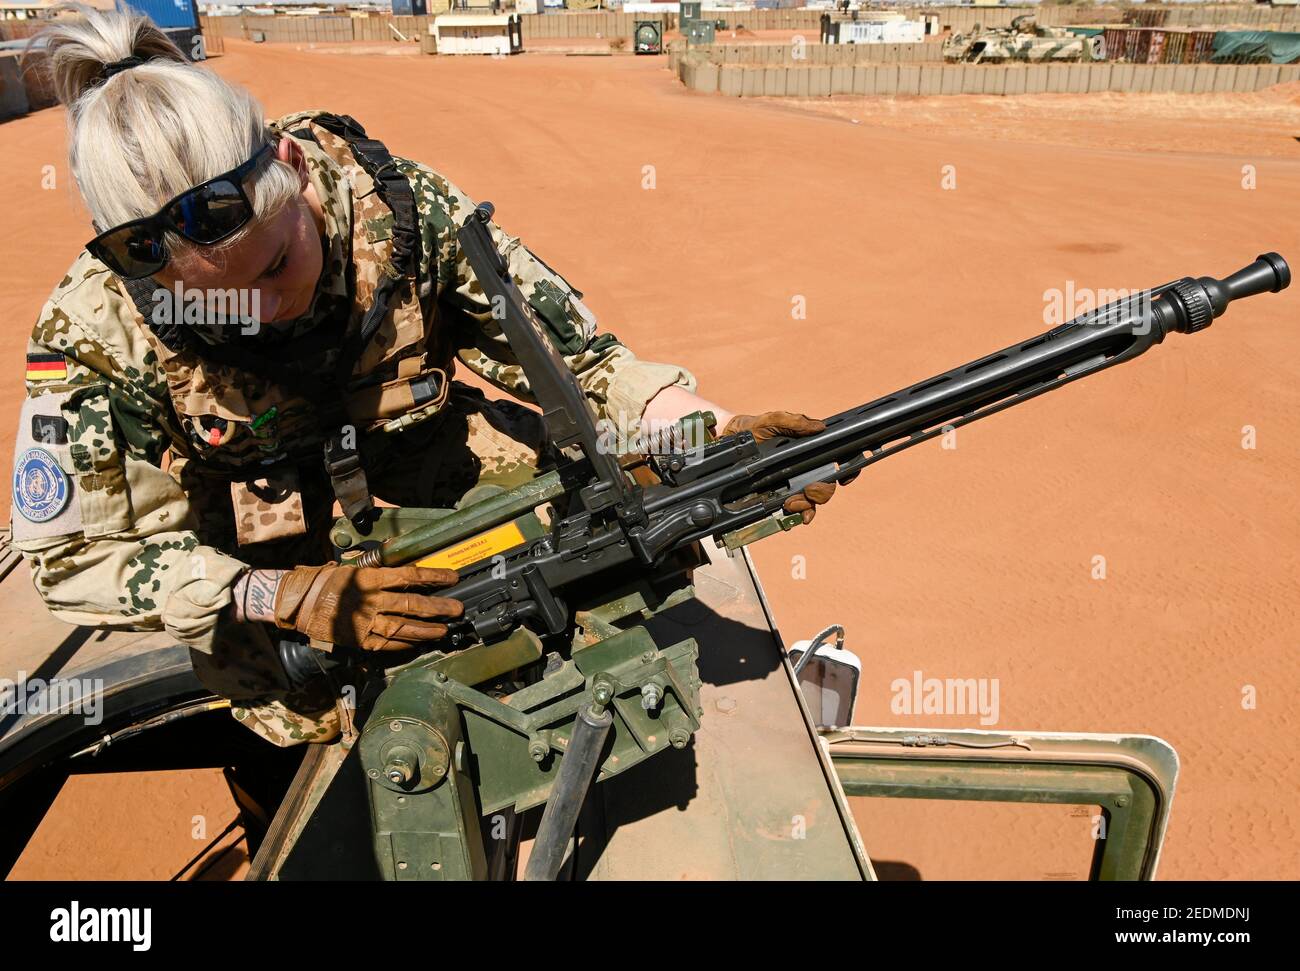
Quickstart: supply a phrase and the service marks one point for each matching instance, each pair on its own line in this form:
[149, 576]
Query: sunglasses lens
[132, 252]
[207, 214]
[210, 213]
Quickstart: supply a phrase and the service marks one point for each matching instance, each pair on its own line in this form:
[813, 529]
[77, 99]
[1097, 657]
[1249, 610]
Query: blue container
[168, 13]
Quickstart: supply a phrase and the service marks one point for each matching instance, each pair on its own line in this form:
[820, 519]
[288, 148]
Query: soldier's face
[276, 265]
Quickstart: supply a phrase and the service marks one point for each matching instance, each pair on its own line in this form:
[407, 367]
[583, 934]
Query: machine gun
[440, 754]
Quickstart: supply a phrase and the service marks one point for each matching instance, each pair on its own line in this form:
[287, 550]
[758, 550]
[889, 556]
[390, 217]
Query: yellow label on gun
[480, 547]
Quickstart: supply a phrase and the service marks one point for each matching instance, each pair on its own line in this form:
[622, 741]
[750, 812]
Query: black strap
[395, 190]
[343, 462]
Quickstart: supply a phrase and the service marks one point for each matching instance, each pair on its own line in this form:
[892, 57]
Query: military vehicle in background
[1023, 40]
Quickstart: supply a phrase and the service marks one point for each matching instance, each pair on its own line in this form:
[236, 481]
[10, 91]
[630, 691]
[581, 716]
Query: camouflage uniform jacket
[102, 508]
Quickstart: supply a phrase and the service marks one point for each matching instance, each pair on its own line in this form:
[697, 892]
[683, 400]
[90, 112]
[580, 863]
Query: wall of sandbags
[744, 80]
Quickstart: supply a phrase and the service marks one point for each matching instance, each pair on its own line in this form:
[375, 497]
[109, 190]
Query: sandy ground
[971, 562]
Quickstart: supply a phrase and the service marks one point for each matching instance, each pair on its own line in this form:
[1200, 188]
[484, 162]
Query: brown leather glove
[783, 424]
[374, 608]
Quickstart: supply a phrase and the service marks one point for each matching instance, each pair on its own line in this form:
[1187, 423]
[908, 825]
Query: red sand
[973, 562]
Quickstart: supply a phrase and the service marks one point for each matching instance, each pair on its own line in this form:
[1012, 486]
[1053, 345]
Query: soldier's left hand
[787, 424]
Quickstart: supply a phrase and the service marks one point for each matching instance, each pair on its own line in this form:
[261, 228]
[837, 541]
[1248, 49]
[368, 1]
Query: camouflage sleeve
[108, 533]
[614, 379]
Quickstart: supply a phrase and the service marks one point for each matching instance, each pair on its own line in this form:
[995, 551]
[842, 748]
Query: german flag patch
[46, 367]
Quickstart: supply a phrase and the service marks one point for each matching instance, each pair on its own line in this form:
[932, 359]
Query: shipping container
[1176, 48]
[1201, 46]
[168, 13]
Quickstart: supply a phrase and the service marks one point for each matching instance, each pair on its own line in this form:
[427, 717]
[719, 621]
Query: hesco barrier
[810, 54]
[580, 25]
[317, 29]
[1201, 15]
[375, 27]
[699, 73]
[587, 25]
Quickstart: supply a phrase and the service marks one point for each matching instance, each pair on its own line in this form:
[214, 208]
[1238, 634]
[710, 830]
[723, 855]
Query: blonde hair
[142, 136]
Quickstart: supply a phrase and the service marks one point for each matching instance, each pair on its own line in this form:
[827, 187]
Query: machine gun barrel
[1110, 335]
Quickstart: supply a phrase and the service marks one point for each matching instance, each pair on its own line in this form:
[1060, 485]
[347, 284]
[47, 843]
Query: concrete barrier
[699, 73]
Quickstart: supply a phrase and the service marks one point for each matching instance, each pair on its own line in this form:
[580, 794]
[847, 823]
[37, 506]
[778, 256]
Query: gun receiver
[734, 489]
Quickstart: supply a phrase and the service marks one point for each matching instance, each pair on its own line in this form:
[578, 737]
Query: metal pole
[581, 759]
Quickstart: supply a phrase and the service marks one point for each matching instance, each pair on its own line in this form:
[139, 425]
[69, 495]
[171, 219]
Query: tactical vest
[256, 415]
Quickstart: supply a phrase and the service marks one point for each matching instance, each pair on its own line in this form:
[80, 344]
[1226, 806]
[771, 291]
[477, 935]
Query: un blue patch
[40, 486]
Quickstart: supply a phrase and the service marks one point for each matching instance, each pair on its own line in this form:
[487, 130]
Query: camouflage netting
[1255, 47]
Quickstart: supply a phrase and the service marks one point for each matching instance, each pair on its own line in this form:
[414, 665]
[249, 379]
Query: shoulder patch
[43, 500]
[41, 487]
[47, 367]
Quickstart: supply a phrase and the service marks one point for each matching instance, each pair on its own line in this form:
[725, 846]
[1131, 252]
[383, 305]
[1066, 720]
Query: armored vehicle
[1023, 40]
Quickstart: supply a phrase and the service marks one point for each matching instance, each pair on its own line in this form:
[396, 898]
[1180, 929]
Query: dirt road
[814, 256]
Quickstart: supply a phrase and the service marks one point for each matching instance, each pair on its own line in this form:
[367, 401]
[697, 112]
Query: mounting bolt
[679, 737]
[440, 676]
[402, 766]
[602, 691]
[394, 726]
[648, 656]
[726, 705]
[1121, 801]
[650, 696]
[539, 748]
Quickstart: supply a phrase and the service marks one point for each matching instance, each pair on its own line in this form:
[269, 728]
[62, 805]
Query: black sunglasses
[206, 214]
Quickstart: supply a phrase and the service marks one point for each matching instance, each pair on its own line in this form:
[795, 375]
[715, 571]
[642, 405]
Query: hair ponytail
[138, 137]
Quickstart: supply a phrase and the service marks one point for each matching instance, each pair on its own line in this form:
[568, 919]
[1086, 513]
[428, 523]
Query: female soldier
[267, 320]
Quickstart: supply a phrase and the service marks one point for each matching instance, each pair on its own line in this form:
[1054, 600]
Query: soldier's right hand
[373, 608]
